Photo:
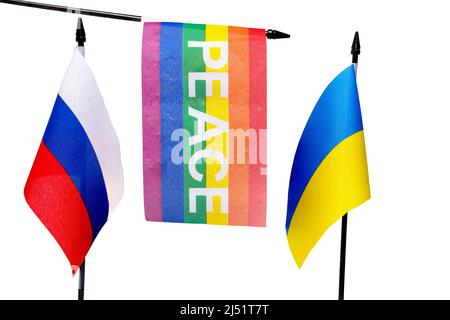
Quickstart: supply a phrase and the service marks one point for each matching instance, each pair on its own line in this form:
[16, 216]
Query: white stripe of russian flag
[91, 112]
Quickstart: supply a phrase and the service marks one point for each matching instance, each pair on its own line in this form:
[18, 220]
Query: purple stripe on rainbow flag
[151, 117]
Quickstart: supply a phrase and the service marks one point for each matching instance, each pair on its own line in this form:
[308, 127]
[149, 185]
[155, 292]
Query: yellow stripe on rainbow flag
[217, 106]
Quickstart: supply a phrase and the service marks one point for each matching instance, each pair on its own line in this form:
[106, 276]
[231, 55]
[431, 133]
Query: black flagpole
[343, 251]
[81, 282]
[356, 50]
[270, 33]
[80, 38]
[86, 12]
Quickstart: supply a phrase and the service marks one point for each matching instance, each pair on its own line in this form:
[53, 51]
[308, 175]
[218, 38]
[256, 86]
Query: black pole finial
[356, 48]
[274, 34]
[81, 34]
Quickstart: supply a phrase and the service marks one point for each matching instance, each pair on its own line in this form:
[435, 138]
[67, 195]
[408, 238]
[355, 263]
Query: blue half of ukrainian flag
[329, 175]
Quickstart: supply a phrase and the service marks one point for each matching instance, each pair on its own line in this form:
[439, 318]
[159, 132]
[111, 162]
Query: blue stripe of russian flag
[68, 142]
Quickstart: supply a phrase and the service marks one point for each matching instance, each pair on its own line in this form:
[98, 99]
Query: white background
[398, 242]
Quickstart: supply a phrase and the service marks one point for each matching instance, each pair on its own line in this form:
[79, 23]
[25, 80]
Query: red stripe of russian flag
[52, 195]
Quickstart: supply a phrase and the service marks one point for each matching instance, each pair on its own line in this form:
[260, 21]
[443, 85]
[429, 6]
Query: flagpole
[356, 50]
[270, 33]
[86, 12]
[81, 281]
[80, 38]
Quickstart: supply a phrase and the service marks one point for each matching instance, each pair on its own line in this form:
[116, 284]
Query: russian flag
[77, 178]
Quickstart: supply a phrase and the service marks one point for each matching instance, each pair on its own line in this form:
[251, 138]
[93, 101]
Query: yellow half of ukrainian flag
[329, 175]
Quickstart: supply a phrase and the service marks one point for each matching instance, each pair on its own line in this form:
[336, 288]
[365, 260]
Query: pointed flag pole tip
[81, 33]
[80, 23]
[356, 48]
[275, 34]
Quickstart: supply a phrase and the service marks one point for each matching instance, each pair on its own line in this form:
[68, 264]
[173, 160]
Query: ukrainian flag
[329, 175]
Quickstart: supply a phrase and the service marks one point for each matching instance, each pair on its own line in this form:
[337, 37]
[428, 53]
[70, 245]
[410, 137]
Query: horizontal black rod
[271, 34]
[87, 12]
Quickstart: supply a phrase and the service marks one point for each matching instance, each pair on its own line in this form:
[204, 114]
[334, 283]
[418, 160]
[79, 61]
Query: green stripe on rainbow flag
[193, 64]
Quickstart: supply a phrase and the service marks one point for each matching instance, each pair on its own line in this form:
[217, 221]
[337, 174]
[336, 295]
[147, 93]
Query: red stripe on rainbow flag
[258, 122]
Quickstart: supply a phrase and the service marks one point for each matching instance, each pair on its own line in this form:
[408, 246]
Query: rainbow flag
[204, 124]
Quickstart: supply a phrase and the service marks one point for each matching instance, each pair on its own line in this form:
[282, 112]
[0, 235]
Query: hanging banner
[204, 124]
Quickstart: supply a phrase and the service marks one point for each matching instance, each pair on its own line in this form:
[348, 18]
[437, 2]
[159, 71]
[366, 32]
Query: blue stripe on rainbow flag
[68, 142]
[171, 75]
[336, 116]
